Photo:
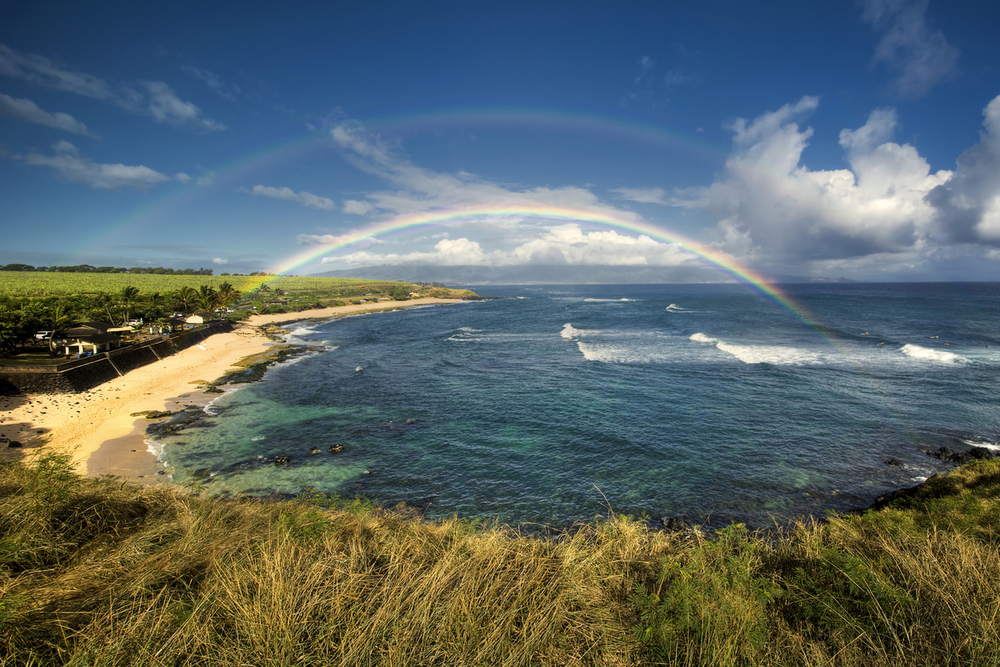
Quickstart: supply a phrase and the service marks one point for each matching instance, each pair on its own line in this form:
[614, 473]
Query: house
[200, 317]
[88, 338]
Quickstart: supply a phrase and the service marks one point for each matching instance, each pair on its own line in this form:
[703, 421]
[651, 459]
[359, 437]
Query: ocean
[559, 404]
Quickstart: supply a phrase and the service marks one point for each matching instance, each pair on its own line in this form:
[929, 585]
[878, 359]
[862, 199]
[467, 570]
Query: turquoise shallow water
[702, 401]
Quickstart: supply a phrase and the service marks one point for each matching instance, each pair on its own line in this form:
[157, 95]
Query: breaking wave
[927, 354]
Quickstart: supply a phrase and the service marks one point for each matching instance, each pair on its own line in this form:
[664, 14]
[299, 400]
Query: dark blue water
[704, 401]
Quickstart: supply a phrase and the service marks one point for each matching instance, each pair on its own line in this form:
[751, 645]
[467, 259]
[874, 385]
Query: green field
[44, 284]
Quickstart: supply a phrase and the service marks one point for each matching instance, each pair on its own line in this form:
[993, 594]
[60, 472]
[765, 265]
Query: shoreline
[96, 427]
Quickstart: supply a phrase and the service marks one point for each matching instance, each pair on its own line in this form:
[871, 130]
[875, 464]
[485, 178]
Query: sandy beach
[96, 426]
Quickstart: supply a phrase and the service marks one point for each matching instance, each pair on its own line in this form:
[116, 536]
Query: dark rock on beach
[152, 414]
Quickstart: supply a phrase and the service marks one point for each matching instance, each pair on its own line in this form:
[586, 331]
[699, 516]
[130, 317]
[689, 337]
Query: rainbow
[544, 214]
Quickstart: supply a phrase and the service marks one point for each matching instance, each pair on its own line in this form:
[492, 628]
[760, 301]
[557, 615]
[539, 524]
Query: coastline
[96, 427]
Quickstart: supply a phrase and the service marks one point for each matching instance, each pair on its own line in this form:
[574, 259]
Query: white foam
[302, 331]
[769, 354]
[674, 308]
[465, 335]
[155, 448]
[927, 354]
[569, 332]
[624, 354]
[983, 443]
[761, 354]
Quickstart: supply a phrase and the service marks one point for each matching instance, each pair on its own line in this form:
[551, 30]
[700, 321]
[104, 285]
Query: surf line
[542, 215]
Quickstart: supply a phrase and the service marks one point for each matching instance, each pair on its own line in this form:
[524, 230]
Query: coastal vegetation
[33, 301]
[101, 572]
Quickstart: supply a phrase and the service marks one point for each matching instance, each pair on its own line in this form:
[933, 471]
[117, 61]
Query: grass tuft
[100, 572]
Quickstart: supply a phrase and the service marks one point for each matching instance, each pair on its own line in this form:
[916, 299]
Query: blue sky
[857, 140]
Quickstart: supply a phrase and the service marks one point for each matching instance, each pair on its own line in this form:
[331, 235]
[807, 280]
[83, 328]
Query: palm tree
[58, 318]
[207, 298]
[104, 307]
[128, 299]
[156, 302]
[186, 296]
[228, 295]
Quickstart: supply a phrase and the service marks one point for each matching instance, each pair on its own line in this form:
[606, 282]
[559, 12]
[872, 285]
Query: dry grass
[96, 572]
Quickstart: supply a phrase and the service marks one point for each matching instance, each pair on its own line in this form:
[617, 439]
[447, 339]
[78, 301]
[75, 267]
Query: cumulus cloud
[220, 261]
[565, 244]
[968, 206]
[28, 111]
[301, 197]
[922, 57]
[772, 207]
[71, 165]
[152, 98]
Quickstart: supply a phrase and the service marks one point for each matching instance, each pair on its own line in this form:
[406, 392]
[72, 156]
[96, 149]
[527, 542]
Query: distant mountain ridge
[549, 274]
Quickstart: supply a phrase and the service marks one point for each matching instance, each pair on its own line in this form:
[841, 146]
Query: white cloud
[922, 57]
[562, 244]
[42, 71]
[220, 261]
[643, 195]
[159, 101]
[28, 111]
[315, 201]
[166, 107]
[206, 179]
[968, 206]
[72, 166]
[331, 239]
[417, 189]
[357, 207]
[772, 207]
[302, 197]
[500, 240]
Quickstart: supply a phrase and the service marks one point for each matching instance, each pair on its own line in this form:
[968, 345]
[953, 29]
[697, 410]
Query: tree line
[20, 320]
[87, 268]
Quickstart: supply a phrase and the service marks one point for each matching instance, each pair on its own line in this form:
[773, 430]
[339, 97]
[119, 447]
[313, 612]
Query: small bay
[557, 404]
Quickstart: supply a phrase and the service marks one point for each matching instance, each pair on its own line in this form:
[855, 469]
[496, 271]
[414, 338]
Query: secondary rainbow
[542, 214]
